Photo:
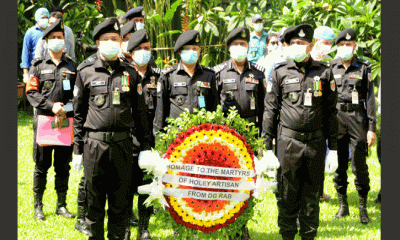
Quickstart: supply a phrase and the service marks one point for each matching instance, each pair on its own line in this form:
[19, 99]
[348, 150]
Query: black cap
[190, 37]
[302, 31]
[135, 12]
[283, 37]
[129, 27]
[238, 33]
[57, 26]
[107, 26]
[138, 38]
[348, 34]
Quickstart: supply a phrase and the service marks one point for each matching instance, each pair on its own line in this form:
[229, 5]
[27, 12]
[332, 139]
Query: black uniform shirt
[284, 101]
[51, 85]
[176, 90]
[237, 89]
[93, 103]
[356, 76]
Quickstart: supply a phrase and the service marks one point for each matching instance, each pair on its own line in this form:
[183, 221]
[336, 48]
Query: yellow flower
[220, 220]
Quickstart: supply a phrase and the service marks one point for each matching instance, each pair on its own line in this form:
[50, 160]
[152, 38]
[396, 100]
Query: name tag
[179, 84]
[293, 80]
[337, 76]
[203, 84]
[46, 71]
[229, 80]
[98, 83]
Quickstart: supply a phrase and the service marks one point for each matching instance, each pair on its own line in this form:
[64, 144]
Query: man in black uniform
[106, 110]
[357, 121]
[186, 84]
[49, 89]
[300, 113]
[240, 84]
[126, 32]
[139, 47]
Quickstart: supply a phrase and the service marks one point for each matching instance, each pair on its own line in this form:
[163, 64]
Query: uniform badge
[370, 77]
[269, 86]
[293, 96]
[99, 100]
[333, 85]
[116, 26]
[317, 78]
[243, 34]
[348, 37]
[180, 100]
[301, 33]
[139, 89]
[48, 85]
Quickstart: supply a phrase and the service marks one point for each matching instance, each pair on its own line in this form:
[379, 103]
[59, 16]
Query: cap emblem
[243, 34]
[348, 36]
[116, 26]
[197, 39]
[301, 33]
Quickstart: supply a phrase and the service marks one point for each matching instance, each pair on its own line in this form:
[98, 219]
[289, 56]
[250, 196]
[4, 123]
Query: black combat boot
[143, 233]
[343, 206]
[61, 208]
[38, 205]
[245, 233]
[288, 237]
[363, 209]
[80, 221]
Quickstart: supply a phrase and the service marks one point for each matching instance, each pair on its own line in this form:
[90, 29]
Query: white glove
[77, 162]
[331, 161]
[150, 161]
[26, 78]
[272, 160]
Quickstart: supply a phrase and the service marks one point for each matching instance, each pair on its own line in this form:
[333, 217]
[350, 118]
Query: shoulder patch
[36, 61]
[89, 61]
[365, 62]
[219, 67]
[280, 64]
[156, 70]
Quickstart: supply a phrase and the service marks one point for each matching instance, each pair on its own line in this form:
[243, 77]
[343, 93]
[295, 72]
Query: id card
[66, 85]
[202, 102]
[252, 103]
[307, 98]
[354, 97]
[68, 107]
[116, 97]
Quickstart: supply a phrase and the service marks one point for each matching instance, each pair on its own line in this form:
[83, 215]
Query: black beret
[129, 27]
[283, 37]
[138, 38]
[107, 26]
[135, 12]
[57, 26]
[302, 31]
[190, 37]
[238, 33]
[348, 34]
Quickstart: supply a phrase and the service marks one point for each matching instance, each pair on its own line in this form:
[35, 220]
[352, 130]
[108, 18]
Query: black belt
[347, 107]
[301, 136]
[109, 136]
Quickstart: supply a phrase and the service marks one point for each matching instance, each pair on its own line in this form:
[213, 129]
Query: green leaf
[157, 18]
[169, 33]
[214, 29]
[170, 13]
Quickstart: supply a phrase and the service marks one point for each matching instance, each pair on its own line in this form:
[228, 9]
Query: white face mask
[320, 50]
[272, 47]
[43, 22]
[141, 57]
[109, 49]
[55, 45]
[345, 52]
[298, 52]
[258, 27]
[139, 26]
[124, 47]
[238, 53]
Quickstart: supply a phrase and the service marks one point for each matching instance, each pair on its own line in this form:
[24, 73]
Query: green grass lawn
[58, 227]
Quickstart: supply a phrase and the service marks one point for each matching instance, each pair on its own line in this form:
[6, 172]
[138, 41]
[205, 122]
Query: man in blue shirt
[30, 39]
[258, 39]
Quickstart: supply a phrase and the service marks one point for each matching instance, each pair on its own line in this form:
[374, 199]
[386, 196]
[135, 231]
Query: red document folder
[48, 136]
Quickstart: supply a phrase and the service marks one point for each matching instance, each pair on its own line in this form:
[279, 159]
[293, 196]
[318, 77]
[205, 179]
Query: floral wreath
[210, 180]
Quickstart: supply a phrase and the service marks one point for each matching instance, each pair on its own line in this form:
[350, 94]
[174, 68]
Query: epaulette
[279, 64]
[208, 68]
[87, 62]
[219, 67]
[156, 70]
[365, 62]
[258, 67]
[168, 69]
[36, 61]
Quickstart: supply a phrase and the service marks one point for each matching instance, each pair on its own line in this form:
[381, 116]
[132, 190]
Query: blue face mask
[141, 57]
[55, 45]
[109, 49]
[139, 26]
[189, 56]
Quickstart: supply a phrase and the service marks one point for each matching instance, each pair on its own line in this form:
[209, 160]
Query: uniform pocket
[179, 91]
[99, 96]
[294, 87]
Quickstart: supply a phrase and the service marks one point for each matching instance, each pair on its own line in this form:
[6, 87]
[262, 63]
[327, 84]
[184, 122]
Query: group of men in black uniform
[121, 100]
